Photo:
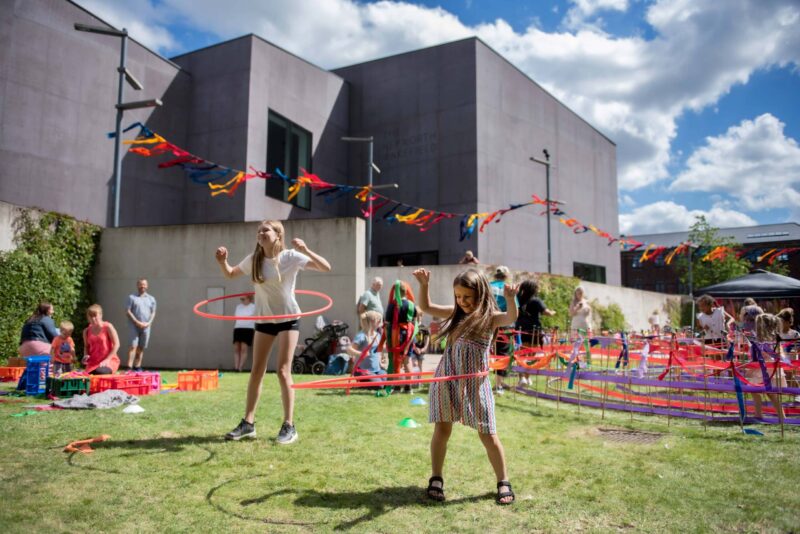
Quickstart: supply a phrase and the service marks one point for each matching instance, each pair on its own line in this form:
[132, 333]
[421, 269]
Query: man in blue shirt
[141, 311]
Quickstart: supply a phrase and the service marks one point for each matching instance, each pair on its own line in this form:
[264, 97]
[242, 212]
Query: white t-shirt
[243, 310]
[655, 320]
[715, 323]
[582, 318]
[276, 295]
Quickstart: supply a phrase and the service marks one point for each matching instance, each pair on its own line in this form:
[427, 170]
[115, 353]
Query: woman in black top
[38, 332]
[531, 309]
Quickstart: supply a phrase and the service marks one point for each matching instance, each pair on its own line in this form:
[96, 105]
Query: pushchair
[318, 349]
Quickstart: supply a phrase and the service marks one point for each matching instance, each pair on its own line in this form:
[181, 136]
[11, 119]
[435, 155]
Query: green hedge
[556, 293]
[53, 261]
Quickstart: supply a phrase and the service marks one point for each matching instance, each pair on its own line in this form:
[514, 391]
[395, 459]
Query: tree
[705, 273]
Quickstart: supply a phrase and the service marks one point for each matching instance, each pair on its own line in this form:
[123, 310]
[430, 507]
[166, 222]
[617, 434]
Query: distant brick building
[658, 276]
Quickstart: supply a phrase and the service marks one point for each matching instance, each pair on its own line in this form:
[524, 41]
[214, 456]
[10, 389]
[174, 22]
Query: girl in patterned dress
[470, 324]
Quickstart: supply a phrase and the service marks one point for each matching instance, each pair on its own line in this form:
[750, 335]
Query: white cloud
[667, 216]
[753, 162]
[144, 22]
[631, 88]
[578, 16]
[627, 201]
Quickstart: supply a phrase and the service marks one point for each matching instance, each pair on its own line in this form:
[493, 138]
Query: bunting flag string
[221, 179]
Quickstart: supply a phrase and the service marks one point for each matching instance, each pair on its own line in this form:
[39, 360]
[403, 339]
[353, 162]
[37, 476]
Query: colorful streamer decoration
[225, 180]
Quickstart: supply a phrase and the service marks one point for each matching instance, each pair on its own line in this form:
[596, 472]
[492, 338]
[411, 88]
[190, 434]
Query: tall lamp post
[546, 163]
[124, 74]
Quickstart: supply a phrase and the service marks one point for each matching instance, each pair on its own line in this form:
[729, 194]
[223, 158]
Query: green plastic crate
[67, 387]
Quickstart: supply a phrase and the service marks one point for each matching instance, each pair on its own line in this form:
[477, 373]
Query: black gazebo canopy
[757, 284]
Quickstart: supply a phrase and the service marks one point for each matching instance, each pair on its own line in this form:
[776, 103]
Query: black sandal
[503, 494]
[436, 493]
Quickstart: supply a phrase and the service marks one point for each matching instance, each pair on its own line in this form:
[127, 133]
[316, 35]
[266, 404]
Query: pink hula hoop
[364, 381]
[207, 315]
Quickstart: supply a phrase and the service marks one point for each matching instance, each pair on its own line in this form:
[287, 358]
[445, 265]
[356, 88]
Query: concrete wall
[58, 88]
[7, 214]
[310, 97]
[516, 119]
[635, 304]
[179, 263]
[420, 108]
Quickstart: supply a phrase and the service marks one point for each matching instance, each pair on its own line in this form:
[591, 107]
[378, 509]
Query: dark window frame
[275, 187]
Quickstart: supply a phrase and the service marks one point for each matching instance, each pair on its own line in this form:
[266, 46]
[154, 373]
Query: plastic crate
[134, 385]
[17, 361]
[94, 383]
[67, 387]
[198, 380]
[153, 379]
[36, 374]
[11, 373]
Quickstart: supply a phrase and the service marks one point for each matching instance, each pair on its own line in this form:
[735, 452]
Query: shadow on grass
[159, 445]
[377, 502]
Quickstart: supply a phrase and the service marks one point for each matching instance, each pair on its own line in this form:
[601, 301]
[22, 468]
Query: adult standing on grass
[243, 331]
[38, 332]
[370, 300]
[470, 326]
[273, 270]
[141, 312]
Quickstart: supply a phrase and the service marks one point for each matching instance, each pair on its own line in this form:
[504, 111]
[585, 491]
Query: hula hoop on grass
[363, 381]
[207, 315]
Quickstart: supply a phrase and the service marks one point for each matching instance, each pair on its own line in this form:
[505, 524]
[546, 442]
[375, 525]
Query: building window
[288, 149]
[636, 264]
[588, 272]
[407, 259]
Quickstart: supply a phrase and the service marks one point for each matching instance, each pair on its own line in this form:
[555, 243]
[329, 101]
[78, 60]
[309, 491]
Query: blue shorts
[140, 338]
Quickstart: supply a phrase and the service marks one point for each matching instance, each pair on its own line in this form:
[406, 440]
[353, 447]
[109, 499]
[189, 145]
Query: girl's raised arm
[510, 315]
[423, 276]
[227, 270]
[317, 263]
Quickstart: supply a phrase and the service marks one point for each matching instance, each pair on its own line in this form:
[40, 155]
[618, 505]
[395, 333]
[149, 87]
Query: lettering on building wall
[411, 147]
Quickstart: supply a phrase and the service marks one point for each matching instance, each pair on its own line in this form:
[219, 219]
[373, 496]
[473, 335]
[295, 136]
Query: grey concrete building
[454, 125]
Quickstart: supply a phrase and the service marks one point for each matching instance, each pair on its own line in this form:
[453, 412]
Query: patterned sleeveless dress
[467, 401]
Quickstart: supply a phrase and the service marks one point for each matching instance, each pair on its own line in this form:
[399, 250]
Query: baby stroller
[318, 349]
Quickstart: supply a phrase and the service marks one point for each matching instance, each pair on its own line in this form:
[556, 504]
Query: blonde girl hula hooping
[273, 270]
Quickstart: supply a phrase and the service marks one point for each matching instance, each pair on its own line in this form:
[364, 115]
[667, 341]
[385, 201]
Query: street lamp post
[546, 163]
[124, 75]
[369, 140]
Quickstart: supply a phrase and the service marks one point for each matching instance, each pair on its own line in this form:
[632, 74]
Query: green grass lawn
[353, 468]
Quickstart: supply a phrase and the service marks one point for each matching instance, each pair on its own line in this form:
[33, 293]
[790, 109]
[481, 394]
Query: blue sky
[700, 96]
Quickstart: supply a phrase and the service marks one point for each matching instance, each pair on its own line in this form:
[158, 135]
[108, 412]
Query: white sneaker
[500, 391]
[524, 381]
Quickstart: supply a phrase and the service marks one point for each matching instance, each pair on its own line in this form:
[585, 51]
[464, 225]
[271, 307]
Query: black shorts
[243, 335]
[273, 329]
[532, 339]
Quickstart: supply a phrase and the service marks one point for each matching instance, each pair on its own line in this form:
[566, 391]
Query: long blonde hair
[260, 254]
[477, 323]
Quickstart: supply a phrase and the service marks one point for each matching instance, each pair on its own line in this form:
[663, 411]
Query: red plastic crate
[11, 373]
[151, 378]
[198, 380]
[132, 384]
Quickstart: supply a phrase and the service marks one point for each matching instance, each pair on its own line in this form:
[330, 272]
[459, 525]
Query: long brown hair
[260, 254]
[477, 323]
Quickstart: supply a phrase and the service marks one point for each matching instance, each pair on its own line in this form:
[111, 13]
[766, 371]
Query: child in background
[62, 350]
[655, 323]
[364, 348]
[712, 321]
[767, 332]
[471, 323]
